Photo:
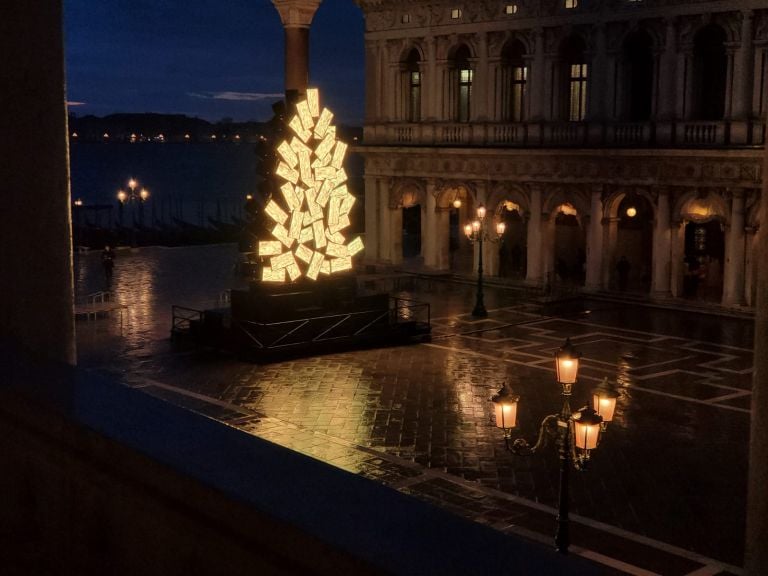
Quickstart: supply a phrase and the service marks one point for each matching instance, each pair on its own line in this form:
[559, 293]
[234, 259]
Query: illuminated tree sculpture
[315, 203]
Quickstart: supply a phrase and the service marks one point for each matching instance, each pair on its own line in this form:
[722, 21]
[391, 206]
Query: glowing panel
[315, 265]
[288, 155]
[313, 101]
[303, 253]
[314, 203]
[275, 212]
[269, 275]
[341, 264]
[270, 248]
[323, 123]
[355, 246]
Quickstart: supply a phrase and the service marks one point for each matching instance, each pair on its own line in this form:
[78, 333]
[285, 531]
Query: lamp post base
[479, 311]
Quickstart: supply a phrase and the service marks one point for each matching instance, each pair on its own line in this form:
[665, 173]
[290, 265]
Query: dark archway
[570, 248]
[704, 253]
[514, 247]
[412, 231]
[634, 244]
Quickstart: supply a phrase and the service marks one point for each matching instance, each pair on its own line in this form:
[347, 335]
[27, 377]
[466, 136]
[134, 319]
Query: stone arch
[558, 195]
[406, 193]
[405, 54]
[506, 191]
[701, 206]
[447, 192]
[613, 201]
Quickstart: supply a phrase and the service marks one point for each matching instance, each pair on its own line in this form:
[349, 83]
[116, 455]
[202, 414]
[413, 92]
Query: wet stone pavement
[666, 489]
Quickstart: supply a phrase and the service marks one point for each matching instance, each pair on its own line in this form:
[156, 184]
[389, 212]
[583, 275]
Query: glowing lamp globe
[457, 203]
[500, 228]
[586, 424]
[505, 409]
[121, 196]
[567, 364]
[481, 212]
[604, 400]
[631, 211]
[468, 230]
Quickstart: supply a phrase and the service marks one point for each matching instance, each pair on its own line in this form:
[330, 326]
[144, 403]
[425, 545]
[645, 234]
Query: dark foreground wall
[101, 479]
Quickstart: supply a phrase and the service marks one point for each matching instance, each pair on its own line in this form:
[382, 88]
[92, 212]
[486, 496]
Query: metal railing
[183, 318]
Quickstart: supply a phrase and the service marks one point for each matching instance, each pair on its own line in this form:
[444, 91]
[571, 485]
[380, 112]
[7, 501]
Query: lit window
[406, 18]
[571, 4]
[465, 94]
[510, 9]
[519, 76]
[578, 92]
[414, 90]
[456, 13]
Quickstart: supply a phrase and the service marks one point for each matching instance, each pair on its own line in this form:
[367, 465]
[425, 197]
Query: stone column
[595, 240]
[431, 84]
[733, 269]
[36, 283]
[442, 233]
[481, 81]
[537, 76]
[371, 219]
[610, 240]
[660, 284]
[429, 228]
[371, 82]
[597, 86]
[296, 16]
[386, 241]
[677, 255]
[741, 108]
[756, 556]
[396, 235]
[750, 267]
[533, 257]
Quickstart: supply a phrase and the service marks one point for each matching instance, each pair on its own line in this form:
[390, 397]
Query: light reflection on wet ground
[400, 414]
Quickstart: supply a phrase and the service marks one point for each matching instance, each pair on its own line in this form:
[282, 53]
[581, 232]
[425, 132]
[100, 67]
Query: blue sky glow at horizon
[212, 59]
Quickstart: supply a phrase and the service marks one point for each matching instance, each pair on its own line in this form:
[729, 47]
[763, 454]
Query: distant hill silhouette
[152, 127]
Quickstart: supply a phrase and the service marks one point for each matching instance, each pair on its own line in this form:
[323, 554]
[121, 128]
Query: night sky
[208, 58]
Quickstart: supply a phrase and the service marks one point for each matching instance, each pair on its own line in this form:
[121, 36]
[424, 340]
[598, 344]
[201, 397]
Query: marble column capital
[296, 13]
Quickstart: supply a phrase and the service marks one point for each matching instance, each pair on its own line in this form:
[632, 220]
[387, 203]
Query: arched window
[514, 78]
[463, 83]
[412, 84]
[710, 67]
[575, 75]
[637, 58]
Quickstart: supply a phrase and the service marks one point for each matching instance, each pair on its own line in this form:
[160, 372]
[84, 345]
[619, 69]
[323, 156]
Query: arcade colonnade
[691, 232]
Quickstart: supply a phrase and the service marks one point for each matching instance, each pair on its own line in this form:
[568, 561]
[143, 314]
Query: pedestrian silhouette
[108, 262]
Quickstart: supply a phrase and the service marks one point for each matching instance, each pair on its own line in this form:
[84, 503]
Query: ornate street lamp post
[476, 232]
[135, 195]
[575, 433]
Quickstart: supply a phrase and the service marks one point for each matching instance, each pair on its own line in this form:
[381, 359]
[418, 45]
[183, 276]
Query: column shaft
[661, 247]
[371, 219]
[36, 282]
[733, 271]
[595, 241]
[428, 227]
[756, 556]
[533, 271]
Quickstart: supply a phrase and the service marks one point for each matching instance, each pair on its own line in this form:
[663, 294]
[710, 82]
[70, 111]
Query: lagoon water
[189, 181]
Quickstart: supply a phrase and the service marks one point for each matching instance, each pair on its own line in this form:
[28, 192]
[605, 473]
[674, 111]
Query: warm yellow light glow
[314, 205]
[476, 226]
[186, 136]
[132, 184]
[457, 203]
[144, 194]
[78, 202]
[481, 212]
[506, 415]
[567, 209]
[631, 211]
[122, 196]
[500, 228]
[468, 230]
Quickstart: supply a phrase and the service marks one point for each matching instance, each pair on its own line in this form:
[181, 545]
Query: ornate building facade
[597, 130]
